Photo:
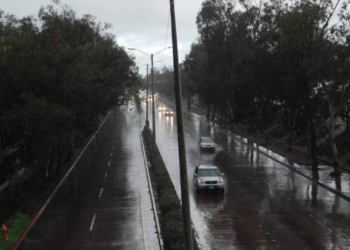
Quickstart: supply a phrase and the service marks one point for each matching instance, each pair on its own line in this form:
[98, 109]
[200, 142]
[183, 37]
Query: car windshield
[206, 139]
[208, 172]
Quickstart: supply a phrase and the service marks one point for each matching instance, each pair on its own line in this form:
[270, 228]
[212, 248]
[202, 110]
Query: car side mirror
[194, 174]
[222, 174]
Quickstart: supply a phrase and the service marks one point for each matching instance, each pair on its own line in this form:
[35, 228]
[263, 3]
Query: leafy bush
[168, 203]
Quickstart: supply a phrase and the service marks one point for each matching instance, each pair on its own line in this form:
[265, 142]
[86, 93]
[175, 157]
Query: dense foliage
[275, 61]
[58, 74]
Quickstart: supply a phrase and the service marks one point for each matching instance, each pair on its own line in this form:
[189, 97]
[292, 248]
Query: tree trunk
[290, 141]
[189, 103]
[332, 144]
[229, 116]
[0, 151]
[214, 113]
[44, 175]
[266, 136]
[347, 124]
[314, 159]
[208, 113]
[59, 160]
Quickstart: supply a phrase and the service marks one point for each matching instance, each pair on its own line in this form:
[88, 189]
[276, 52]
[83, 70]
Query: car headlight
[221, 180]
[200, 181]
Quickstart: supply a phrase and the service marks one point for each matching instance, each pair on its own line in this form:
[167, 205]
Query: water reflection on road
[104, 202]
[266, 204]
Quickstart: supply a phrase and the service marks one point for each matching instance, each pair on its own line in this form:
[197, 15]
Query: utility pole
[147, 121]
[153, 111]
[186, 212]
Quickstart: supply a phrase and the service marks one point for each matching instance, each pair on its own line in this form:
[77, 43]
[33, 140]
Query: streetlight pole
[153, 108]
[147, 121]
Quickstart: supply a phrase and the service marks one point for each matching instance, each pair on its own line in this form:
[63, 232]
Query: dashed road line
[100, 193]
[92, 222]
[109, 163]
[106, 175]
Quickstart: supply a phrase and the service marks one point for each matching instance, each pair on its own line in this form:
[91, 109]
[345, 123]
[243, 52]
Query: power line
[166, 37]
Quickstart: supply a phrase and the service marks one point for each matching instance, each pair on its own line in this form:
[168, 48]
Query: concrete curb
[155, 211]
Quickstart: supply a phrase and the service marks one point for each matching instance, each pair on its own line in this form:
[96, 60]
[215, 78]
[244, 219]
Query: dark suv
[208, 177]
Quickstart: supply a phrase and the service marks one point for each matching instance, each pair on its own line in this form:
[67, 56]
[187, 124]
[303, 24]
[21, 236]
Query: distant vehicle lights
[169, 113]
[161, 108]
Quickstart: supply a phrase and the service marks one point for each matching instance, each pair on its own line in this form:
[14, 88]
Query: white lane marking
[113, 147]
[111, 154]
[100, 193]
[106, 175]
[109, 163]
[92, 222]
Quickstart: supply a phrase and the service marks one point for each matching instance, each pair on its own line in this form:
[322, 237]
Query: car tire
[222, 191]
[198, 191]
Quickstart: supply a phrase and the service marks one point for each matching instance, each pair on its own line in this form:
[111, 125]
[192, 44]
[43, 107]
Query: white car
[206, 143]
[208, 177]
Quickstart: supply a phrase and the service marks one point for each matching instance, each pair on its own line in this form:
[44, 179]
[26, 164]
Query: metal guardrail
[155, 211]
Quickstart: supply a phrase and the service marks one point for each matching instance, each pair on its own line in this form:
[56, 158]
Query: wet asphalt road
[105, 202]
[265, 206]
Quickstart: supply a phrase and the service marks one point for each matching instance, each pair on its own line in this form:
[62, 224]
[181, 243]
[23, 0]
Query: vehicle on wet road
[169, 113]
[206, 143]
[208, 177]
[161, 108]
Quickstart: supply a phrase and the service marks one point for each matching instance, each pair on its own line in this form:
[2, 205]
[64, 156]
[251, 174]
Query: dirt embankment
[278, 142]
[278, 135]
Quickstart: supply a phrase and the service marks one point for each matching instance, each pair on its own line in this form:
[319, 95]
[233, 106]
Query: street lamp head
[162, 50]
[139, 51]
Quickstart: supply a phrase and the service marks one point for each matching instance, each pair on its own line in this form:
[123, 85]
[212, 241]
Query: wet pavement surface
[269, 202]
[104, 203]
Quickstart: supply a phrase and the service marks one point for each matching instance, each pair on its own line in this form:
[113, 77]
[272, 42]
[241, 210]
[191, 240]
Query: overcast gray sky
[140, 24]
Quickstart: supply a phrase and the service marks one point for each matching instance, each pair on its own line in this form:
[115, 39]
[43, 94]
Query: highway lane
[266, 205]
[105, 201]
